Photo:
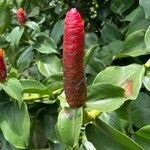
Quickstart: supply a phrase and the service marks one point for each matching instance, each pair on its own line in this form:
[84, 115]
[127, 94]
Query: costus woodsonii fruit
[3, 73]
[73, 59]
[21, 16]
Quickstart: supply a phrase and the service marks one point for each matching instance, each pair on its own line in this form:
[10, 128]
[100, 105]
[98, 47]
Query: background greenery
[33, 110]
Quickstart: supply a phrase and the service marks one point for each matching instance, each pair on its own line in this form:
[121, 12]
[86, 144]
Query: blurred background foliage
[117, 68]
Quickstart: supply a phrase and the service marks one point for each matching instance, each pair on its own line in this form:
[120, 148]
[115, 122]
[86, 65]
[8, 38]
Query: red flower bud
[2, 66]
[73, 59]
[21, 16]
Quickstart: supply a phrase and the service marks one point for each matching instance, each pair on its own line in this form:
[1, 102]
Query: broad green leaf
[33, 86]
[144, 132]
[146, 82]
[134, 45]
[138, 23]
[142, 141]
[119, 6]
[91, 39]
[25, 58]
[69, 124]
[35, 12]
[89, 54]
[45, 45]
[33, 25]
[100, 91]
[49, 65]
[13, 88]
[57, 31]
[142, 137]
[95, 65]
[3, 96]
[5, 17]
[111, 119]
[15, 123]
[110, 33]
[7, 146]
[140, 110]
[104, 137]
[119, 75]
[105, 105]
[3, 42]
[15, 36]
[101, 58]
[108, 53]
[19, 2]
[54, 82]
[132, 16]
[48, 120]
[145, 5]
[147, 38]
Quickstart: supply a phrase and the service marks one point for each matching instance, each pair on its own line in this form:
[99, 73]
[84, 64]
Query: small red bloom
[2, 66]
[73, 59]
[21, 16]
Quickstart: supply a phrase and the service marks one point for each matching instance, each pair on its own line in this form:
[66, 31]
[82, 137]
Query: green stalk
[130, 128]
[37, 97]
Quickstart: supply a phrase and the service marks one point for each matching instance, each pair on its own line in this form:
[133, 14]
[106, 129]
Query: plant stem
[130, 129]
[37, 97]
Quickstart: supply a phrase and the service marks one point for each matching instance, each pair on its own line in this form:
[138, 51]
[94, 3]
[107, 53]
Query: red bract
[73, 59]
[21, 16]
[2, 66]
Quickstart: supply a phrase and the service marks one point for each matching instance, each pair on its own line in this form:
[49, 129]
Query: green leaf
[13, 88]
[110, 33]
[101, 58]
[33, 25]
[57, 31]
[99, 91]
[140, 110]
[144, 132]
[3, 42]
[147, 38]
[108, 53]
[132, 16]
[105, 105]
[119, 75]
[138, 23]
[19, 2]
[48, 120]
[49, 65]
[35, 12]
[15, 123]
[146, 82]
[5, 17]
[69, 124]
[145, 5]
[105, 137]
[25, 58]
[91, 39]
[45, 45]
[54, 82]
[89, 54]
[112, 119]
[142, 136]
[33, 86]
[15, 36]
[119, 6]
[134, 45]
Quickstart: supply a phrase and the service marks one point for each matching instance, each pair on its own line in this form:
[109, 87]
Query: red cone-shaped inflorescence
[73, 59]
[2, 66]
[21, 16]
